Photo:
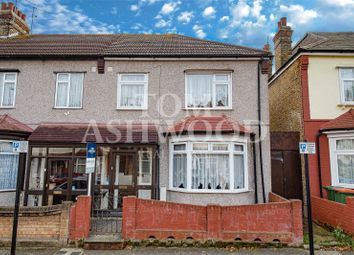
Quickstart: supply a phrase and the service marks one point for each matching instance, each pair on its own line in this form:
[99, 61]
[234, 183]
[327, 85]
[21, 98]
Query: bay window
[342, 161]
[69, 90]
[208, 166]
[7, 89]
[347, 85]
[208, 90]
[132, 91]
[8, 166]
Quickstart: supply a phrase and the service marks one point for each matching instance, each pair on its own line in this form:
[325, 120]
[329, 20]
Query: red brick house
[312, 94]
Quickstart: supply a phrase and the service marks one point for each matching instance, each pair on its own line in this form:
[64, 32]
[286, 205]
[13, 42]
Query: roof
[93, 132]
[326, 41]
[344, 121]
[208, 124]
[120, 45]
[7, 123]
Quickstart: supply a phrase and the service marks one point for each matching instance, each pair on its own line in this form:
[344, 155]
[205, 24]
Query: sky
[243, 22]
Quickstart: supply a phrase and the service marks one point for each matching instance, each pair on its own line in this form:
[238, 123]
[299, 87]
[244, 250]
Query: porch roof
[7, 123]
[95, 132]
[214, 124]
[343, 122]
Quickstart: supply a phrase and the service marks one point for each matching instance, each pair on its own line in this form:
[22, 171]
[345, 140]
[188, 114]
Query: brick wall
[45, 223]
[281, 220]
[80, 215]
[334, 213]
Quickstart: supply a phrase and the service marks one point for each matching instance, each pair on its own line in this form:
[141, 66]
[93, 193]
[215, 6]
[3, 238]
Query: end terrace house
[174, 117]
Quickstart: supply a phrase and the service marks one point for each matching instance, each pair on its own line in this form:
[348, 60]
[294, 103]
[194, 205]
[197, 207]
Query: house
[173, 117]
[311, 93]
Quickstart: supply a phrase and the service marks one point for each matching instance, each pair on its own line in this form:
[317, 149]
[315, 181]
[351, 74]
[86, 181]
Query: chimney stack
[282, 43]
[267, 64]
[12, 21]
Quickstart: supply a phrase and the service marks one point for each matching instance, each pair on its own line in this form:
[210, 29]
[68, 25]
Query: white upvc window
[347, 85]
[208, 167]
[69, 90]
[208, 90]
[8, 166]
[8, 82]
[132, 91]
[342, 161]
[145, 167]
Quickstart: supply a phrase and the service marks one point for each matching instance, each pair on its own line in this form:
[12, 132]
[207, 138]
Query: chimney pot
[11, 7]
[283, 21]
[266, 47]
[3, 6]
[18, 13]
[23, 16]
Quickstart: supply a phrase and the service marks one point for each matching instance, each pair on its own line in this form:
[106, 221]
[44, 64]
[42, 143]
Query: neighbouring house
[311, 97]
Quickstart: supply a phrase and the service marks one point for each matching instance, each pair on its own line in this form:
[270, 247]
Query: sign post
[20, 147]
[90, 164]
[305, 149]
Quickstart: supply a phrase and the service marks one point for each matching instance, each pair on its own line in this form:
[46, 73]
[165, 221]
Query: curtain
[199, 90]
[210, 171]
[62, 92]
[239, 173]
[180, 170]
[132, 95]
[36, 179]
[9, 93]
[345, 144]
[221, 91]
[75, 93]
[345, 169]
[349, 90]
[8, 171]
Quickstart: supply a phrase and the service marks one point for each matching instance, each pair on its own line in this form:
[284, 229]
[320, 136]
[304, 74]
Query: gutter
[254, 168]
[318, 135]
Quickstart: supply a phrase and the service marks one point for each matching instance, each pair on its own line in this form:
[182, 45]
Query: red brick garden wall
[80, 214]
[277, 221]
[334, 213]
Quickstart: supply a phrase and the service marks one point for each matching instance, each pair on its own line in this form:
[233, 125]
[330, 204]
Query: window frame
[334, 157]
[145, 83]
[139, 181]
[210, 141]
[341, 82]
[10, 153]
[3, 89]
[214, 84]
[68, 92]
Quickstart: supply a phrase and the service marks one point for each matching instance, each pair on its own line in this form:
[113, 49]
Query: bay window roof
[202, 124]
[343, 122]
[7, 123]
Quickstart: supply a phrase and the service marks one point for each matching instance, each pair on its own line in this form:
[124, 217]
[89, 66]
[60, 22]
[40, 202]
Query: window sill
[206, 109]
[131, 109]
[7, 107]
[67, 108]
[209, 191]
[346, 105]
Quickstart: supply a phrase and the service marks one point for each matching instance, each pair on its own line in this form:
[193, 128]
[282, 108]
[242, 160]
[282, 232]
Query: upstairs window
[69, 90]
[211, 91]
[347, 85]
[132, 91]
[7, 89]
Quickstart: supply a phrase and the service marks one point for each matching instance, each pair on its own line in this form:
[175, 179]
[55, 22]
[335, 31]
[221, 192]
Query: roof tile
[345, 121]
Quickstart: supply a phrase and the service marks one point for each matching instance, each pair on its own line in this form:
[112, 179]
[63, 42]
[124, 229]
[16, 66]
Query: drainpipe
[157, 170]
[319, 161]
[260, 128]
[254, 168]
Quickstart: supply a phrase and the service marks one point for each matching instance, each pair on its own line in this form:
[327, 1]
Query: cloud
[209, 12]
[257, 8]
[199, 31]
[185, 17]
[162, 23]
[224, 18]
[134, 7]
[239, 11]
[297, 13]
[271, 17]
[114, 11]
[341, 3]
[168, 8]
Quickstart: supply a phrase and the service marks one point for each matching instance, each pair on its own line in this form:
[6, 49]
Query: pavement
[176, 251]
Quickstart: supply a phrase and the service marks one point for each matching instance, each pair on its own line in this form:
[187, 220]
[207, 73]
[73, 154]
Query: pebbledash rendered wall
[277, 221]
[35, 96]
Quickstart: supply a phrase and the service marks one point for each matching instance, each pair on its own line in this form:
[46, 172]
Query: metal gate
[106, 218]
[286, 164]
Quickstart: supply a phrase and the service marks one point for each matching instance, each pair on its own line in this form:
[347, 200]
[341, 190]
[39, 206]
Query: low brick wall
[333, 213]
[80, 214]
[46, 223]
[280, 220]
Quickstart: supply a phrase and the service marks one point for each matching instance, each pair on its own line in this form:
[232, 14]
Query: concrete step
[104, 242]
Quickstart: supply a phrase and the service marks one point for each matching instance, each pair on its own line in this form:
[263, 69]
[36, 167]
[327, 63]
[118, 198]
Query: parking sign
[307, 148]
